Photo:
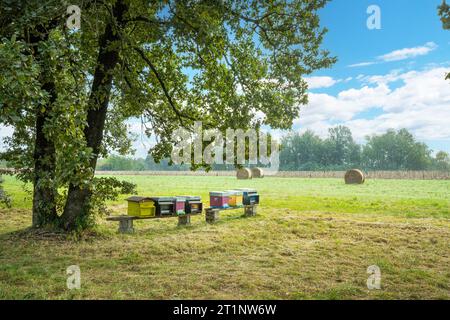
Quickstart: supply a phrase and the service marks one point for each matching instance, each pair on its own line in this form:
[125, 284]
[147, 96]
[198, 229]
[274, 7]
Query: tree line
[393, 150]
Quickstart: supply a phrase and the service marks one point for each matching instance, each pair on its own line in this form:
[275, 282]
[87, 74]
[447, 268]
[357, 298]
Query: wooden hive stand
[212, 214]
[126, 222]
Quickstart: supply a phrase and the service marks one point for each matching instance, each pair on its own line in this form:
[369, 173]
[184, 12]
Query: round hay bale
[244, 173]
[354, 176]
[257, 172]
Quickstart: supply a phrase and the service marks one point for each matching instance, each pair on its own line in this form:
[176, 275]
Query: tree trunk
[77, 206]
[44, 193]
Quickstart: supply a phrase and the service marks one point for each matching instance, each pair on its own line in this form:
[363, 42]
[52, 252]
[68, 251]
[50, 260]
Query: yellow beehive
[141, 207]
[236, 198]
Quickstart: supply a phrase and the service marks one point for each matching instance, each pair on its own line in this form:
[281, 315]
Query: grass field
[311, 239]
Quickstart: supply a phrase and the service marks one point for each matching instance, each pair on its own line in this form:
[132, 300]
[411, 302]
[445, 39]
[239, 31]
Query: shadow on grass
[47, 234]
[162, 228]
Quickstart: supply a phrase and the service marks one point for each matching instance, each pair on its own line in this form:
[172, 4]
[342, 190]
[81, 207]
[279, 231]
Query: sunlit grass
[311, 239]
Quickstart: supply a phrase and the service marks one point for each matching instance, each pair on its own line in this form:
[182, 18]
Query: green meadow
[311, 239]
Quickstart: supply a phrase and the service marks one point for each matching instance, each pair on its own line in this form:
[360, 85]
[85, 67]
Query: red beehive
[219, 199]
[180, 203]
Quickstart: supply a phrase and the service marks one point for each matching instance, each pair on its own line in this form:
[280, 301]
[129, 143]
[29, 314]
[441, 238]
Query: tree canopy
[67, 93]
[444, 13]
[396, 150]
[309, 152]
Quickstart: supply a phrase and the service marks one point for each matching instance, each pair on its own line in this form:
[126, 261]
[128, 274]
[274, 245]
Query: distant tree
[163, 165]
[308, 151]
[442, 156]
[442, 161]
[341, 149]
[121, 163]
[395, 151]
[301, 151]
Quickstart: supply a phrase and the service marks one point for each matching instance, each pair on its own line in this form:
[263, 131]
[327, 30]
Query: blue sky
[387, 78]
[404, 24]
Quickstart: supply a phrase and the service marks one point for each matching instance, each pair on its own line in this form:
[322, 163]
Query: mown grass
[311, 239]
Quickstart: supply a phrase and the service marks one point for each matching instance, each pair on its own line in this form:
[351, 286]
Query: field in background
[312, 239]
[410, 175]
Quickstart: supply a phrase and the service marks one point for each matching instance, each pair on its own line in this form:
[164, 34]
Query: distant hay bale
[257, 173]
[354, 176]
[244, 173]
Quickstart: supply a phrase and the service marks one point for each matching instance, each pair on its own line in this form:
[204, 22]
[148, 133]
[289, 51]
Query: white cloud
[320, 82]
[361, 64]
[407, 53]
[343, 107]
[420, 104]
[398, 55]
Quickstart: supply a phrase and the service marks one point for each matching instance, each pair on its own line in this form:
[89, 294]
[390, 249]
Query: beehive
[193, 204]
[251, 196]
[165, 206]
[219, 199]
[235, 198]
[141, 207]
[180, 205]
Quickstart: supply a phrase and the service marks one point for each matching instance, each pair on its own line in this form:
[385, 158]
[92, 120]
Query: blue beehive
[251, 196]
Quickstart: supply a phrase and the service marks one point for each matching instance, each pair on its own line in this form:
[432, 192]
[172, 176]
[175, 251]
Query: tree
[44, 193]
[444, 13]
[395, 151]
[301, 151]
[169, 62]
[309, 152]
[341, 149]
[442, 161]
[120, 163]
[31, 34]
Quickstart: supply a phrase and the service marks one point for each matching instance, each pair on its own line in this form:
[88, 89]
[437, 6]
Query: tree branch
[180, 116]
